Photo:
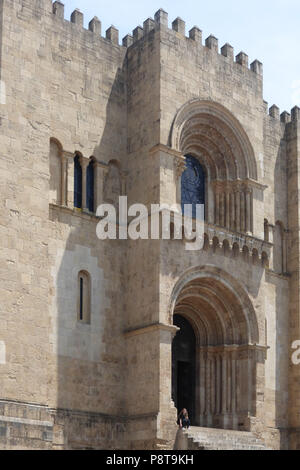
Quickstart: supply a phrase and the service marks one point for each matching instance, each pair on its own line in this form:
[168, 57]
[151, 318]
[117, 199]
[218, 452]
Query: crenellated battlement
[284, 117]
[160, 21]
[95, 25]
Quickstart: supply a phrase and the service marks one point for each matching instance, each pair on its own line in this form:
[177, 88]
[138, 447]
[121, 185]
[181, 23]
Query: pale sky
[267, 30]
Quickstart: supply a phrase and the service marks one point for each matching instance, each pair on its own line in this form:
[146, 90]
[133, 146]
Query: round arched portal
[218, 319]
[184, 366]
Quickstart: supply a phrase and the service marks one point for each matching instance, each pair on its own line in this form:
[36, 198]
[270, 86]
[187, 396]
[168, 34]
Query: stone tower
[101, 340]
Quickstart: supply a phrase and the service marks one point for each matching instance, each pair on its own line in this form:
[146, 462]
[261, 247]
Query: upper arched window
[84, 297]
[77, 182]
[90, 186]
[193, 184]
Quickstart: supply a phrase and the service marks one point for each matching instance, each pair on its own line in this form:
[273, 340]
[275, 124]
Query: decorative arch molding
[229, 357]
[197, 113]
[55, 141]
[243, 306]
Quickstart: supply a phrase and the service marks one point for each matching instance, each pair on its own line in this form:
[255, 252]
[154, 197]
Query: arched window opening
[192, 185]
[246, 254]
[255, 256]
[90, 187]
[84, 297]
[77, 182]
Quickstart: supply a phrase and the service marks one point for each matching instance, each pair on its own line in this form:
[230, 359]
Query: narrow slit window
[90, 186]
[77, 183]
[84, 298]
[81, 300]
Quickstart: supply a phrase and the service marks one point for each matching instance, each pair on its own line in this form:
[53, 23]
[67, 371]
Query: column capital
[84, 162]
[180, 166]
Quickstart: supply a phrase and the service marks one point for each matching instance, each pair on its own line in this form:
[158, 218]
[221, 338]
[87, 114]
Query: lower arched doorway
[216, 357]
[184, 367]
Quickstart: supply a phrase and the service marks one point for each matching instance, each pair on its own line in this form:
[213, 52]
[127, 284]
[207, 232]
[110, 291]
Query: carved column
[229, 372]
[212, 387]
[237, 210]
[224, 383]
[217, 206]
[250, 375]
[248, 211]
[233, 382]
[223, 208]
[242, 195]
[232, 212]
[227, 208]
[208, 394]
[218, 384]
[69, 179]
[64, 179]
[179, 168]
[202, 393]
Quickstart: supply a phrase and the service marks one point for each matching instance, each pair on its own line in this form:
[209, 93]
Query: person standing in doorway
[183, 419]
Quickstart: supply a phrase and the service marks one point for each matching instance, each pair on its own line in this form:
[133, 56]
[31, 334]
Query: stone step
[219, 431]
[220, 439]
[227, 441]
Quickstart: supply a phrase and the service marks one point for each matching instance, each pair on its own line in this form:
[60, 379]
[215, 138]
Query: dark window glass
[192, 184]
[77, 183]
[81, 300]
[90, 187]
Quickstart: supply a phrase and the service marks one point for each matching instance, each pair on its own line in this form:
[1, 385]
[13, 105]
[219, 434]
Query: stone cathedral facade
[101, 341]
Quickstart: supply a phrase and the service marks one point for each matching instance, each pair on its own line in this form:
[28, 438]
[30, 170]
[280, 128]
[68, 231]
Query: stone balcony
[236, 244]
[244, 244]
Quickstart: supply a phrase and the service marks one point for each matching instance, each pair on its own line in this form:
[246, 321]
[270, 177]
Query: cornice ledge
[164, 148]
[150, 328]
[238, 183]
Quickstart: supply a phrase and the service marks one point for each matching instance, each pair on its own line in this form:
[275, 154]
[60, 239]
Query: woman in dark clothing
[183, 419]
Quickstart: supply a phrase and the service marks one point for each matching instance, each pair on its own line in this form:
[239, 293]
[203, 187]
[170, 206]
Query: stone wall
[66, 83]
[110, 382]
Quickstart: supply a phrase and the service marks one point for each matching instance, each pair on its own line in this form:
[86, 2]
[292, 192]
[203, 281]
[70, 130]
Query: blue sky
[267, 30]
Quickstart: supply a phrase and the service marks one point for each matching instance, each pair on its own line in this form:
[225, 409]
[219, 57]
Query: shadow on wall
[86, 305]
[113, 143]
[281, 285]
